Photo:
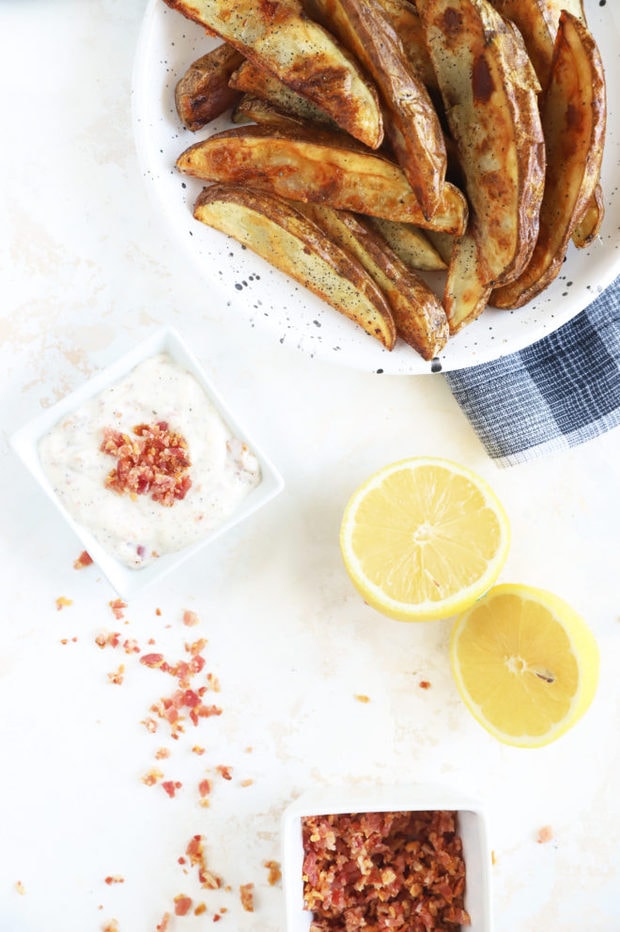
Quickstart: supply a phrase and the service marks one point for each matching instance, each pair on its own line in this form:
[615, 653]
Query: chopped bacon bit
[111, 926]
[545, 834]
[150, 724]
[117, 606]
[20, 888]
[83, 560]
[155, 661]
[224, 771]
[213, 682]
[171, 787]
[362, 698]
[182, 904]
[190, 619]
[108, 640]
[162, 753]
[196, 647]
[163, 925]
[275, 872]
[115, 878]
[200, 909]
[197, 749]
[196, 853]
[64, 640]
[151, 778]
[118, 676]
[158, 612]
[246, 892]
[131, 646]
[396, 870]
[216, 917]
[204, 788]
[424, 684]
[62, 602]
[156, 462]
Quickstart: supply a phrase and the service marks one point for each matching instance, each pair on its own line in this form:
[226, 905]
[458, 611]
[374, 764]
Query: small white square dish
[151, 424]
[470, 824]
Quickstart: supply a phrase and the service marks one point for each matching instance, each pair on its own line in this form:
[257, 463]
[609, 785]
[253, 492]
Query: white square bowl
[25, 441]
[337, 800]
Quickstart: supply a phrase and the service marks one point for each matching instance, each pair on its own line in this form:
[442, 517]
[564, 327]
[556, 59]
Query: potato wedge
[466, 291]
[254, 110]
[411, 245]
[589, 226]
[490, 93]
[318, 167]
[280, 38]
[203, 92]
[411, 124]
[419, 317]
[574, 117]
[406, 22]
[254, 80]
[275, 230]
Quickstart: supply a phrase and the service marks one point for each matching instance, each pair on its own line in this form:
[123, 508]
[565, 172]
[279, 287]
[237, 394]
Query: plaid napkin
[553, 395]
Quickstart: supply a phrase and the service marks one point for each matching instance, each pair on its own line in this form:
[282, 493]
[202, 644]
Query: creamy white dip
[134, 528]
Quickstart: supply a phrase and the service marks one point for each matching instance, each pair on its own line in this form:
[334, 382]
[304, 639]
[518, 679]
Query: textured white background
[87, 269]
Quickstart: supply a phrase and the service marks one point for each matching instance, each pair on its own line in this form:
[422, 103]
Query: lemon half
[525, 663]
[423, 538]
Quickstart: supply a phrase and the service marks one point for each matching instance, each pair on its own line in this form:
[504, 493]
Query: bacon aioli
[135, 528]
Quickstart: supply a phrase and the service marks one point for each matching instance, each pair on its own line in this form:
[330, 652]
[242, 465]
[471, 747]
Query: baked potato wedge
[406, 22]
[418, 315]
[573, 118]
[251, 79]
[411, 122]
[280, 38]
[254, 110]
[203, 92]
[320, 167]
[279, 233]
[490, 93]
[411, 245]
[466, 292]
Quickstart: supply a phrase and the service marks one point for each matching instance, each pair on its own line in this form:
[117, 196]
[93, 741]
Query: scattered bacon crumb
[117, 606]
[158, 611]
[83, 560]
[171, 787]
[163, 925]
[216, 917]
[198, 749]
[275, 872]
[155, 462]
[545, 834]
[162, 753]
[384, 870]
[246, 892]
[150, 724]
[200, 909]
[108, 640]
[151, 778]
[152, 660]
[224, 771]
[114, 878]
[131, 646]
[197, 857]
[20, 888]
[362, 698]
[182, 904]
[204, 788]
[118, 676]
[63, 602]
[424, 684]
[190, 619]
[111, 926]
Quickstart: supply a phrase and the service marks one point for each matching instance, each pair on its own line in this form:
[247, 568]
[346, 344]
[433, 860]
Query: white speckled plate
[265, 297]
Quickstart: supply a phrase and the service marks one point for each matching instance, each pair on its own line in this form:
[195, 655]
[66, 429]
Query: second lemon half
[423, 538]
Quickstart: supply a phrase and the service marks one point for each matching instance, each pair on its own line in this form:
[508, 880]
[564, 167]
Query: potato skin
[203, 92]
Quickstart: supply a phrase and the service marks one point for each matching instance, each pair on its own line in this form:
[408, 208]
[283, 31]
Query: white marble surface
[86, 270]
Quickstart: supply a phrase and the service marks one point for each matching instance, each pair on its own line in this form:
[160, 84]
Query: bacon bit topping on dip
[275, 872]
[384, 870]
[246, 892]
[83, 560]
[63, 602]
[182, 904]
[156, 463]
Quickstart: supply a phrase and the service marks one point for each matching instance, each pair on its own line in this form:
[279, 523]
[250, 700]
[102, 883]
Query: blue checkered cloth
[555, 394]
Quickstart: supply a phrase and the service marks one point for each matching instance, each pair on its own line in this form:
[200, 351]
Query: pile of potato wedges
[374, 140]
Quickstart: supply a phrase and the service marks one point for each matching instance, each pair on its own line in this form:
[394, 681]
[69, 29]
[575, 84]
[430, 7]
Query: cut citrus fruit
[525, 663]
[423, 538]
